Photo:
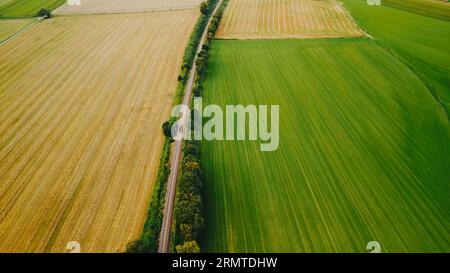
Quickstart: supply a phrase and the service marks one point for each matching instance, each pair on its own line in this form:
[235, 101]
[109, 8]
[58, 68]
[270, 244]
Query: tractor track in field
[21, 31]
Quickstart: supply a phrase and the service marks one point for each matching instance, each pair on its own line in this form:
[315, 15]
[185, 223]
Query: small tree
[188, 247]
[136, 247]
[186, 232]
[45, 13]
[167, 127]
[204, 8]
[197, 91]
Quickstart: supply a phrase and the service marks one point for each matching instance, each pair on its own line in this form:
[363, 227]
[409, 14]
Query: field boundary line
[419, 75]
[350, 16]
[12, 37]
[411, 67]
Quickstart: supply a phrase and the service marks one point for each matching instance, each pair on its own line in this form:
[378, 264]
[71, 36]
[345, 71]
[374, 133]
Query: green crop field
[434, 8]
[26, 8]
[364, 152]
[4, 2]
[419, 40]
[9, 27]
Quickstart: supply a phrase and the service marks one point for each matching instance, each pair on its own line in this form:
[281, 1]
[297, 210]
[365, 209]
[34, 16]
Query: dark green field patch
[26, 8]
[421, 41]
[439, 9]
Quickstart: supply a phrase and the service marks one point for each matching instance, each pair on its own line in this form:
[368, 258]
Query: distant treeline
[189, 219]
[206, 9]
[149, 240]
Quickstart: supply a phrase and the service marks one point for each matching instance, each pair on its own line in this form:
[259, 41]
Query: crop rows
[82, 100]
[10, 27]
[116, 6]
[265, 19]
[363, 154]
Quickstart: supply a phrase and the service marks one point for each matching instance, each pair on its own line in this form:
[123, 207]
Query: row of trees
[149, 240]
[189, 219]
[202, 58]
[206, 8]
[189, 206]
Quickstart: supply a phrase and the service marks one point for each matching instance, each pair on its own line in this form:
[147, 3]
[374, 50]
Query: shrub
[197, 91]
[167, 127]
[43, 12]
[188, 247]
[204, 8]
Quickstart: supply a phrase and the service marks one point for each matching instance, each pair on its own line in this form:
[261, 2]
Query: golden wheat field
[9, 27]
[267, 19]
[82, 100]
[107, 6]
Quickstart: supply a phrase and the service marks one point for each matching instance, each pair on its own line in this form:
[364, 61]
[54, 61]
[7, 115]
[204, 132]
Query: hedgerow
[189, 220]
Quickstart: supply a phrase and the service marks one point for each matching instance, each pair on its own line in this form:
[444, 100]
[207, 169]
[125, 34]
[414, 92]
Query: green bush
[204, 8]
[167, 128]
[45, 13]
[188, 247]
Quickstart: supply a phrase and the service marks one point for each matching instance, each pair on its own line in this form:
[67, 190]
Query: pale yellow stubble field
[11, 26]
[108, 6]
[82, 100]
[268, 19]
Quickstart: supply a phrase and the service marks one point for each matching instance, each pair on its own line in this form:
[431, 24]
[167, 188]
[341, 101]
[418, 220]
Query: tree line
[149, 239]
[189, 220]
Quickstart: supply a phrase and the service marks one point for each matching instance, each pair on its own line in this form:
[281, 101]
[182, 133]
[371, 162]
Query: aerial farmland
[25, 8]
[118, 6]
[364, 130]
[81, 101]
[269, 19]
[351, 159]
[90, 154]
[10, 27]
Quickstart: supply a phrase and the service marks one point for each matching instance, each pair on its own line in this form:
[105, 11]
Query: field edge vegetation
[189, 211]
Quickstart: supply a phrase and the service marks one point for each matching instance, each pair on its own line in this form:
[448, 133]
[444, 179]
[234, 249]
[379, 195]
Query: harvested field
[10, 27]
[82, 100]
[364, 152]
[265, 19]
[115, 6]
